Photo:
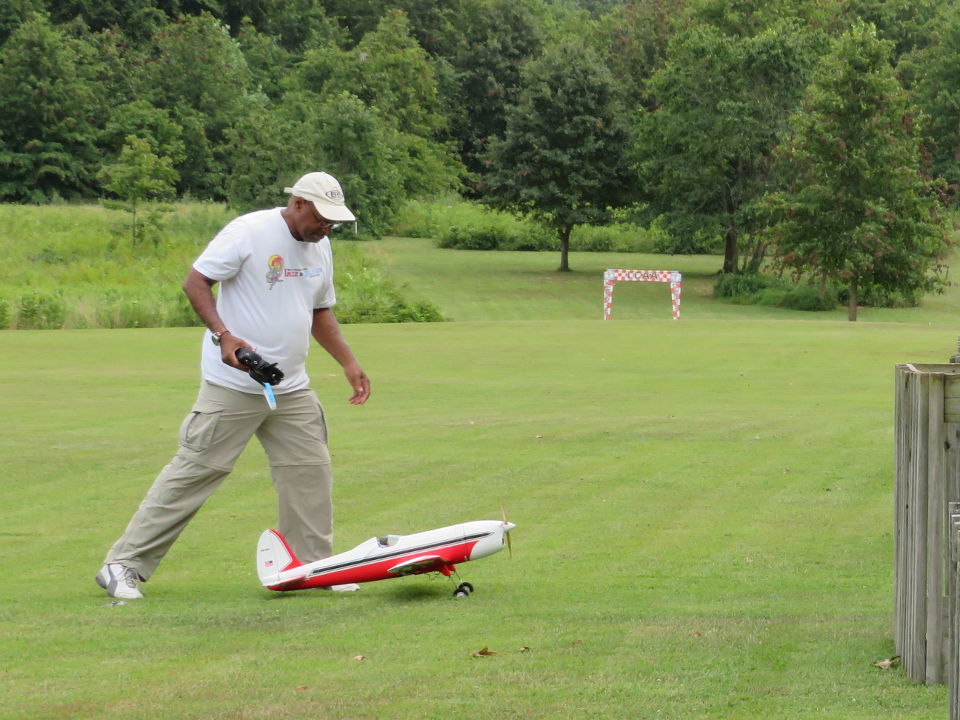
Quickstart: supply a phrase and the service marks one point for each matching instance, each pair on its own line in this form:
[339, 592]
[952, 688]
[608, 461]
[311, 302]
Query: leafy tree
[705, 150]
[120, 64]
[198, 73]
[391, 73]
[562, 158]
[156, 126]
[634, 38]
[934, 72]
[138, 175]
[499, 37]
[272, 147]
[293, 24]
[908, 24]
[138, 18]
[857, 209]
[52, 103]
[434, 21]
[14, 12]
[269, 62]
[746, 18]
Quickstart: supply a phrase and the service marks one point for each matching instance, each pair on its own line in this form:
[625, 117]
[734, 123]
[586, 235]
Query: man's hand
[359, 382]
[326, 331]
[229, 344]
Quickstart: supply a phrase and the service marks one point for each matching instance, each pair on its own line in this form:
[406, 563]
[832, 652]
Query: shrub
[4, 313]
[875, 296]
[739, 285]
[41, 311]
[497, 231]
[366, 296]
[470, 238]
[693, 242]
[756, 289]
[807, 297]
[419, 219]
[768, 297]
[619, 237]
[465, 225]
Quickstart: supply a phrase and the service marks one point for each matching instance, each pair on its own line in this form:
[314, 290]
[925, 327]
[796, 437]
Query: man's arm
[199, 289]
[326, 331]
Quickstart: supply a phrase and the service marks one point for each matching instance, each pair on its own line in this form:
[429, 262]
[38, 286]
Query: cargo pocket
[322, 424]
[196, 432]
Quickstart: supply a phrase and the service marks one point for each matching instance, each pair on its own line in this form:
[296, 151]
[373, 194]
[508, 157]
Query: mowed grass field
[704, 513]
[471, 285]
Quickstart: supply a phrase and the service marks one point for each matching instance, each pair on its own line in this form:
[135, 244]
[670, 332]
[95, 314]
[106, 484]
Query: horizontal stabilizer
[419, 564]
[274, 557]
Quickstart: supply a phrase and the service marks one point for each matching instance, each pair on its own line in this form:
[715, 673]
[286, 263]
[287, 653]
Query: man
[275, 272]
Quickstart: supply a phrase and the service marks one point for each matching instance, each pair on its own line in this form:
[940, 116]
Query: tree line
[819, 137]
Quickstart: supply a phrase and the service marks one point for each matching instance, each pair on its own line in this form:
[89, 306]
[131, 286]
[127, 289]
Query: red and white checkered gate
[611, 277]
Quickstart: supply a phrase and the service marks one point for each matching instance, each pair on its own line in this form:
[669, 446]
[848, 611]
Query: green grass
[471, 285]
[703, 510]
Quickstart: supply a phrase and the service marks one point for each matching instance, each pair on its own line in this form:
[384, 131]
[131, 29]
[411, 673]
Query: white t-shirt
[270, 283]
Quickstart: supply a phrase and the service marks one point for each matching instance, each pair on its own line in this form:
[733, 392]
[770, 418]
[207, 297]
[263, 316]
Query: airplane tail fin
[274, 556]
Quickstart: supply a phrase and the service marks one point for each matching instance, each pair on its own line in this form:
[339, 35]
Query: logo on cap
[334, 195]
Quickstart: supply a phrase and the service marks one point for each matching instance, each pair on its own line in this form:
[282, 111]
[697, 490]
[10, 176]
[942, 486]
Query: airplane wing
[419, 564]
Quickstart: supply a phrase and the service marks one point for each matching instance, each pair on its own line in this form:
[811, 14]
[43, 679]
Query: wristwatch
[215, 338]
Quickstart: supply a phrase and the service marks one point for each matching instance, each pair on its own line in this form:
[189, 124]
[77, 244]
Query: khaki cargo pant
[212, 437]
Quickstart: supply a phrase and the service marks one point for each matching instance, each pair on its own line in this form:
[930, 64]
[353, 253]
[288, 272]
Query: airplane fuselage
[380, 558]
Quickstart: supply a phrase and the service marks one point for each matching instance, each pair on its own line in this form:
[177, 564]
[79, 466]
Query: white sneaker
[119, 581]
[347, 587]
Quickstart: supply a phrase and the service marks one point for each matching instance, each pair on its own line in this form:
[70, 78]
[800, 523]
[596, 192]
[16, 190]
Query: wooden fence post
[927, 430]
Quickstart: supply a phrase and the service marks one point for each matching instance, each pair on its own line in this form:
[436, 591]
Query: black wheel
[467, 587]
[463, 590]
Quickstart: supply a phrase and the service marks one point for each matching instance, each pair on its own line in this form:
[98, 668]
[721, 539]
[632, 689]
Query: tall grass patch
[75, 266]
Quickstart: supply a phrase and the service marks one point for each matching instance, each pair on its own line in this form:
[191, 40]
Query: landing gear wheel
[463, 590]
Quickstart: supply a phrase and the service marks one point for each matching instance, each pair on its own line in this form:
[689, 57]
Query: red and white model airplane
[384, 557]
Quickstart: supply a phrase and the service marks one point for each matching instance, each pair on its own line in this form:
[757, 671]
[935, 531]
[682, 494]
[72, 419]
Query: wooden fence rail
[927, 430]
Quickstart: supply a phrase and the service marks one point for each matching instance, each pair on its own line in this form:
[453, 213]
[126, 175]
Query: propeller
[508, 526]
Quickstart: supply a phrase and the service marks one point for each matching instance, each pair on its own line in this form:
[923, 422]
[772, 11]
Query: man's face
[309, 225]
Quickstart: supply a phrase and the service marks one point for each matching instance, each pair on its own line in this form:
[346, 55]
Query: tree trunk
[852, 304]
[730, 251]
[565, 248]
[133, 225]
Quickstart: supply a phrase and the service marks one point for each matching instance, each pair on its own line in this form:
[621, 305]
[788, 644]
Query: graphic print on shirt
[274, 270]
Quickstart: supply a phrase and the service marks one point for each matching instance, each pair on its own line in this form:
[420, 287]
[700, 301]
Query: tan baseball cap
[323, 190]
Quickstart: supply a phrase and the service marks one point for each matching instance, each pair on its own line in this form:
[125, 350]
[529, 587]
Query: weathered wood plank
[953, 664]
[915, 662]
[938, 539]
[926, 534]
